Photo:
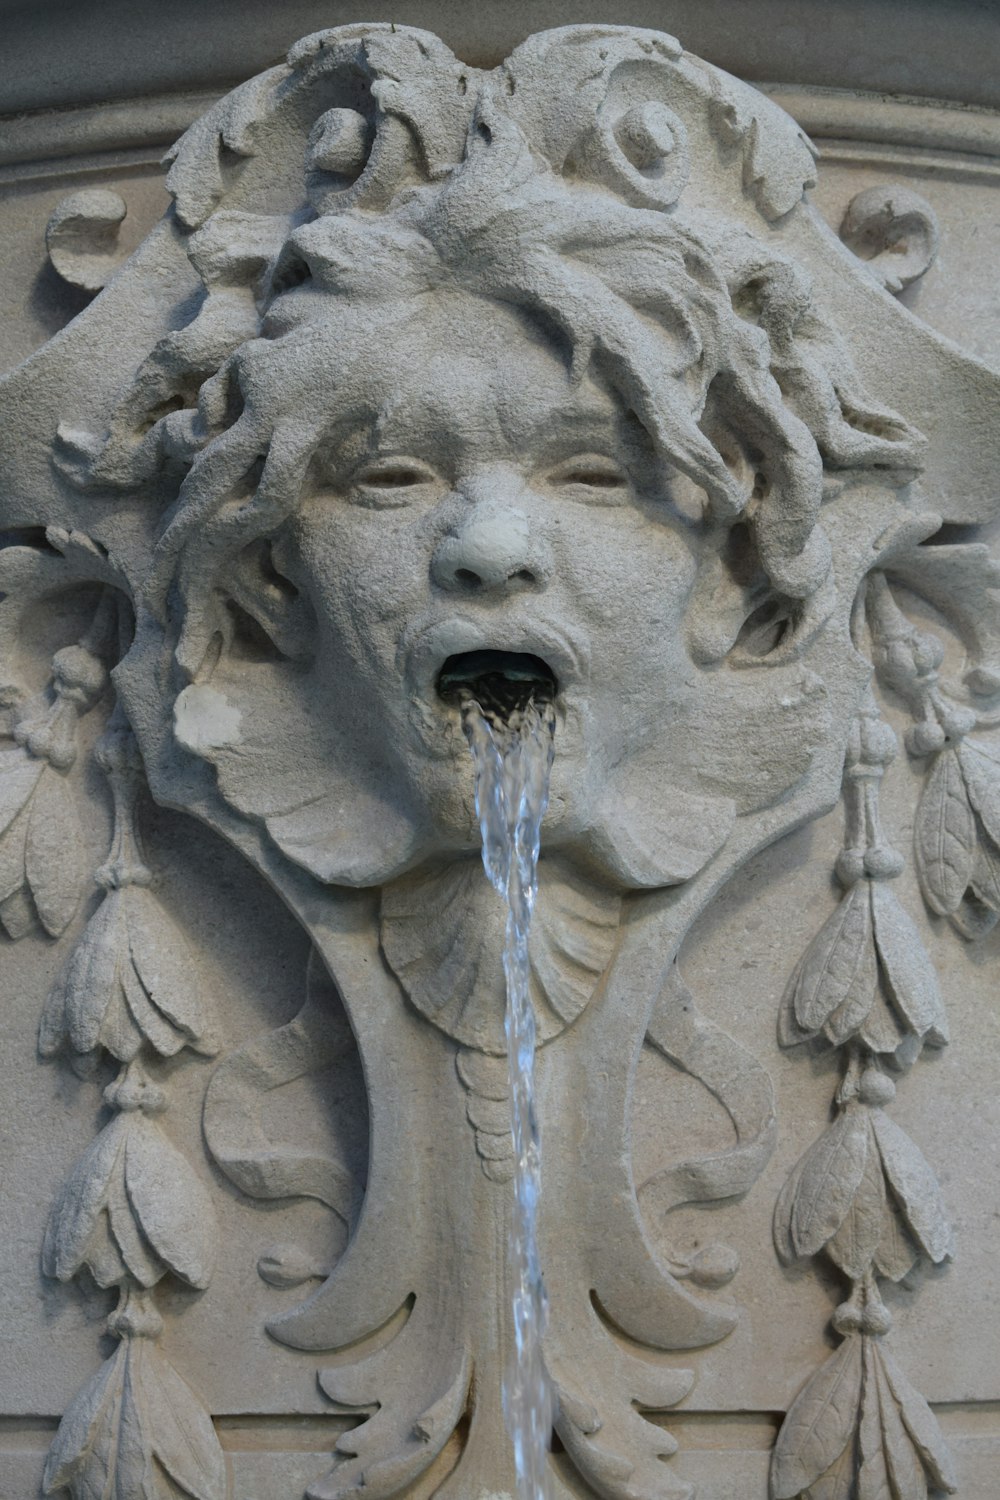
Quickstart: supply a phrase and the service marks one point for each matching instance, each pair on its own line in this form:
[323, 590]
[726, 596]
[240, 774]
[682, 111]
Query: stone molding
[144, 126]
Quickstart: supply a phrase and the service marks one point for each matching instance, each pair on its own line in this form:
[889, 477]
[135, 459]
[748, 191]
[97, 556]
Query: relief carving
[553, 361]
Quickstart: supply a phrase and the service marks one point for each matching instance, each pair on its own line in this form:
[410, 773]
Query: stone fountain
[555, 371]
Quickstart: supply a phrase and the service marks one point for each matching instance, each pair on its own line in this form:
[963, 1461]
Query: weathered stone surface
[561, 360]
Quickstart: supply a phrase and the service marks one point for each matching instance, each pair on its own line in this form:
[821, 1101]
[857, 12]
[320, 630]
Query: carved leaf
[86, 1429]
[873, 1475]
[856, 1241]
[907, 969]
[885, 1031]
[136, 1432]
[182, 1437]
[144, 1265]
[838, 1483]
[79, 1006]
[19, 773]
[973, 919]
[831, 1174]
[17, 914]
[905, 1469]
[53, 854]
[837, 979]
[72, 1231]
[982, 779]
[986, 873]
[784, 1244]
[896, 1254]
[921, 1424]
[916, 1187]
[12, 855]
[171, 1206]
[163, 964]
[790, 1033]
[945, 835]
[820, 1423]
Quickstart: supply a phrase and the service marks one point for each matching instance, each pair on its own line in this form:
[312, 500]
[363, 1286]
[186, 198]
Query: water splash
[513, 759]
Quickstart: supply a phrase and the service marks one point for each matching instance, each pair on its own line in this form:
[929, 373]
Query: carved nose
[491, 551]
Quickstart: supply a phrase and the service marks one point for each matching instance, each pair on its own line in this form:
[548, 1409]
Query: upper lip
[424, 649]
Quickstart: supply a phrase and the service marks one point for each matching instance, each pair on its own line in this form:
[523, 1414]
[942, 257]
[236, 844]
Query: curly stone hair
[708, 336]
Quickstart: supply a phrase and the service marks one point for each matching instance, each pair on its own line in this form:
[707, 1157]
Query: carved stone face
[491, 503]
[469, 494]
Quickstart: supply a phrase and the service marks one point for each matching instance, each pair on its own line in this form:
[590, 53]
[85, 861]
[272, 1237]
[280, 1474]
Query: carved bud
[49, 732]
[338, 143]
[648, 133]
[136, 1430]
[864, 1193]
[859, 1414]
[132, 1208]
[130, 980]
[866, 974]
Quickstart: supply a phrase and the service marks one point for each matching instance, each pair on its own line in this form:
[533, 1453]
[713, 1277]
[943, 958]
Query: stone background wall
[91, 95]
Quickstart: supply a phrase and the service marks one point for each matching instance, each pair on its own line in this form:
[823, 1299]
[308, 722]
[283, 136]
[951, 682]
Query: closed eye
[591, 472]
[394, 476]
[391, 483]
[595, 479]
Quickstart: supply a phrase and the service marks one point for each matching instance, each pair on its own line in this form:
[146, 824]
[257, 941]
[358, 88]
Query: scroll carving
[553, 361]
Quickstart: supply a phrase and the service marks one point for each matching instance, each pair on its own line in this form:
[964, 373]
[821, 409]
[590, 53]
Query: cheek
[365, 572]
[630, 575]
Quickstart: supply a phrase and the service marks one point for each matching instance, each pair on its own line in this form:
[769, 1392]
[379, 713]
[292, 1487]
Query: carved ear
[261, 590]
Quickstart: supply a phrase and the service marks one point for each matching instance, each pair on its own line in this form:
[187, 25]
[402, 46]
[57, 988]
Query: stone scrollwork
[554, 360]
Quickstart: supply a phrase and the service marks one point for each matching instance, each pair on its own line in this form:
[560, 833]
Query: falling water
[513, 759]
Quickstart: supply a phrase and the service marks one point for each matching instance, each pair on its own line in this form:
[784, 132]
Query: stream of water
[513, 760]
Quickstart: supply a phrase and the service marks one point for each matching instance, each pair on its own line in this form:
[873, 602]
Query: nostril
[468, 578]
[524, 575]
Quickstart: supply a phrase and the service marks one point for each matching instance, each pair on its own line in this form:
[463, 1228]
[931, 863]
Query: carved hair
[709, 338]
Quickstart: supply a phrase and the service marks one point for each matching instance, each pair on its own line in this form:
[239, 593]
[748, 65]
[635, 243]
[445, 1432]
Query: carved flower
[858, 1428]
[132, 1206]
[136, 1432]
[41, 869]
[865, 1194]
[129, 980]
[866, 974]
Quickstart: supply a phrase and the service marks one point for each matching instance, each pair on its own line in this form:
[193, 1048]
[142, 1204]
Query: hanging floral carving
[132, 1211]
[864, 1194]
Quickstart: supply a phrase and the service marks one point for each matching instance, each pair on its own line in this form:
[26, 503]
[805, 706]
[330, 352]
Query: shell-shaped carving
[442, 935]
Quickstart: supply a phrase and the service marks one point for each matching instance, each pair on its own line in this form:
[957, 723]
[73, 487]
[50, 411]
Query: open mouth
[501, 682]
